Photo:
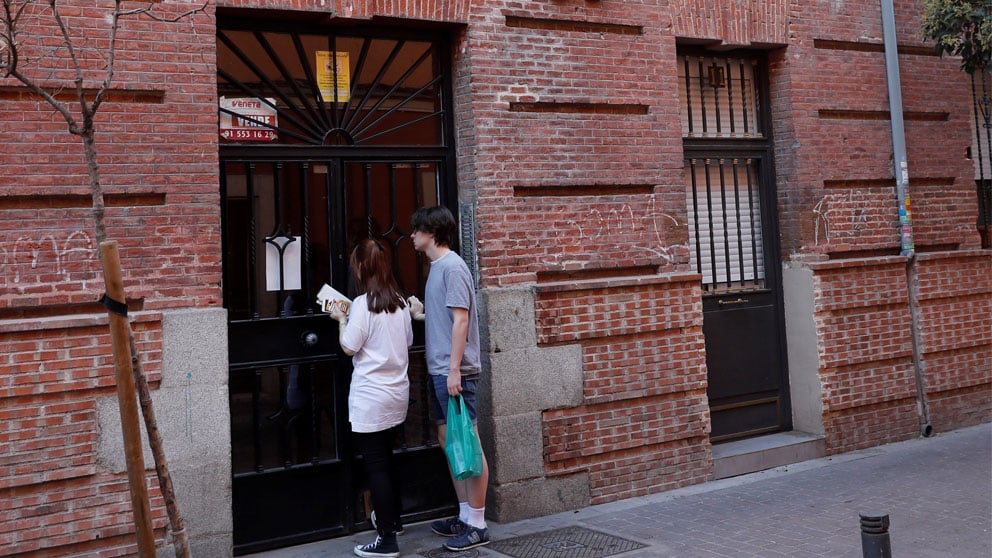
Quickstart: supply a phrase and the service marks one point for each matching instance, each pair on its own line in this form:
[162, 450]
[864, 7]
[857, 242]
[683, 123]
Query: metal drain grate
[570, 542]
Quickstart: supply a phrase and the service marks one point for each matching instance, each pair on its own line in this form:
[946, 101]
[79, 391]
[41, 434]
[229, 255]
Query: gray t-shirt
[449, 285]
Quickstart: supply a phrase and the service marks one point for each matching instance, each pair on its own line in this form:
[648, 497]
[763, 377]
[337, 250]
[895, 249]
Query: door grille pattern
[287, 413]
[266, 205]
[268, 202]
[725, 238]
[288, 382]
[381, 196]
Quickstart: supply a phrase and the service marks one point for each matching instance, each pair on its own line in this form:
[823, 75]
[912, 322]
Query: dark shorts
[439, 396]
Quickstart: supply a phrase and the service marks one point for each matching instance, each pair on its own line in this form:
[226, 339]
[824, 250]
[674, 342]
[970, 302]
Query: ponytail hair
[374, 278]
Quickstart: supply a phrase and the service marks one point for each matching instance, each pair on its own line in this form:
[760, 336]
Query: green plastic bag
[461, 444]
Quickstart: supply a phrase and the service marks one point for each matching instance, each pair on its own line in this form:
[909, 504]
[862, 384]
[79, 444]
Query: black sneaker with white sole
[382, 547]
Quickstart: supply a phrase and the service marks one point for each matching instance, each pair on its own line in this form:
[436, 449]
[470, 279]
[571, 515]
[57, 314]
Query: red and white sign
[253, 119]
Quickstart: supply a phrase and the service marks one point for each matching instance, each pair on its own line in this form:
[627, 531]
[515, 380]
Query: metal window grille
[719, 97]
[725, 238]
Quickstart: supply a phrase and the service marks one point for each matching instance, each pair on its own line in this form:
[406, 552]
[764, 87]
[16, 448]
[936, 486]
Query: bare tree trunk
[180, 540]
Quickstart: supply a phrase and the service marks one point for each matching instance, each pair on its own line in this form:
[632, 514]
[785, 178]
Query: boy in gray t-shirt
[449, 285]
[452, 347]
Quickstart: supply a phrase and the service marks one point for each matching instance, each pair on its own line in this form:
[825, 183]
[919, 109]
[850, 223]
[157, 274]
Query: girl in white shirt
[377, 332]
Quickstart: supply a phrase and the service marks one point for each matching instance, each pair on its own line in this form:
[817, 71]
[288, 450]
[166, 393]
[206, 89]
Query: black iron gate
[327, 138]
[733, 235]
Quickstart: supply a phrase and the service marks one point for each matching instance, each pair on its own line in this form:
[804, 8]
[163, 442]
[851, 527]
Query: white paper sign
[292, 263]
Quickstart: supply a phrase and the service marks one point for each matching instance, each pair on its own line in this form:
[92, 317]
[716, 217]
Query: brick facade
[644, 422]
[865, 333]
[569, 147]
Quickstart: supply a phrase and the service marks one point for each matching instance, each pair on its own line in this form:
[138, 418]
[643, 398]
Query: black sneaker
[399, 527]
[378, 549]
[449, 527]
[471, 538]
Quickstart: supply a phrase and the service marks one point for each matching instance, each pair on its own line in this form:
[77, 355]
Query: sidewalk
[937, 492]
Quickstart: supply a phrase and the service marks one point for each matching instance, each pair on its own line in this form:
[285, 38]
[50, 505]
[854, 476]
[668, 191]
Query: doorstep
[765, 452]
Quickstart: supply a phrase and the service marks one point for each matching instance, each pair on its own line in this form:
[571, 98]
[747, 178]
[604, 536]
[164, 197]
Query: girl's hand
[339, 312]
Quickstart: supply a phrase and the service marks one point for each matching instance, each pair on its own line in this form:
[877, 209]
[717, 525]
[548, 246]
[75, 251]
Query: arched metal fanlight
[333, 90]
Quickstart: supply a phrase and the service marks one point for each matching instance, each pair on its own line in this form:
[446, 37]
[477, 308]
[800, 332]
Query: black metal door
[306, 172]
[733, 235]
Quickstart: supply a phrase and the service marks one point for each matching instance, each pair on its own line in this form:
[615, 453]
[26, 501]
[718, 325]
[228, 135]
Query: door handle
[732, 302]
[309, 339]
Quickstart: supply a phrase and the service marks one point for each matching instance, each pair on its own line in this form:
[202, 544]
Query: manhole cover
[570, 542]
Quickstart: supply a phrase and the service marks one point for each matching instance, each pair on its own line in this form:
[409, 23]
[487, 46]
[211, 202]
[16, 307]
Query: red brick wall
[865, 342]
[156, 138]
[956, 325]
[58, 498]
[833, 137]
[573, 123]
[86, 516]
[575, 138]
[156, 141]
[734, 23]
[566, 187]
[427, 10]
[838, 202]
[643, 425]
[862, 316]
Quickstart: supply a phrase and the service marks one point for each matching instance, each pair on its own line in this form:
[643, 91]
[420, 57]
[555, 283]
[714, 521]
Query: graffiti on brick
[839, 215]
[31, 260]
[641, 229]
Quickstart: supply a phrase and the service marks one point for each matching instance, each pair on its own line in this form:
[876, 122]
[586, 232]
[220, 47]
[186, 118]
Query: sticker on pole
[248, 119]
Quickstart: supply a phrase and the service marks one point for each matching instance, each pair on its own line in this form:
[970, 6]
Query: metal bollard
[875, 536]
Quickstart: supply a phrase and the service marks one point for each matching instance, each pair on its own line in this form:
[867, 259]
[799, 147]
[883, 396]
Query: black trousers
[377, 449]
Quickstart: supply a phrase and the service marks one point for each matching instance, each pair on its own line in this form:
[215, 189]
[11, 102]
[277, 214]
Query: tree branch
[147, 11]
[107, 80]
[87, 127]
[59, 107]
[10, 23]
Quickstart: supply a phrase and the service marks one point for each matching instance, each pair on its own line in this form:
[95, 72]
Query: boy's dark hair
[438, 221]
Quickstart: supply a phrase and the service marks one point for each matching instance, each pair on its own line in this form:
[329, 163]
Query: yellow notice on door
[331, 69]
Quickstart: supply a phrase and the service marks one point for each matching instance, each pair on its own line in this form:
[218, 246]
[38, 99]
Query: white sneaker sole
[469, 547]
[364, 554]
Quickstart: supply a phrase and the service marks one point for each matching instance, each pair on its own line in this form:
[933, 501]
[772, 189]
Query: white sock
[463, 512]
[477, 517]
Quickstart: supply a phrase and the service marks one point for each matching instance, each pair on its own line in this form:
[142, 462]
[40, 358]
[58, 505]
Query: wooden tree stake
[127, 401]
